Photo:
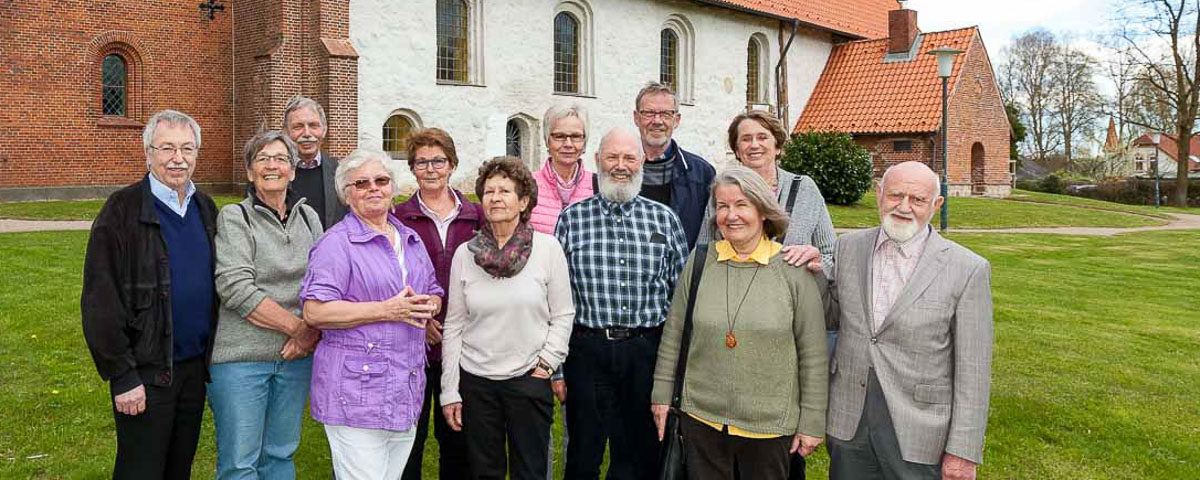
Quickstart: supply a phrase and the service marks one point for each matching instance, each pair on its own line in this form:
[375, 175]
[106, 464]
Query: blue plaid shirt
[624, 259]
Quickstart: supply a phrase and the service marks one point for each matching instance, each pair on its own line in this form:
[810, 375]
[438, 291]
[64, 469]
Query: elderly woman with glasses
[444, 219]
[370, 288]
[562, 180]
[755, 387]
[508, 324]
[261, 354]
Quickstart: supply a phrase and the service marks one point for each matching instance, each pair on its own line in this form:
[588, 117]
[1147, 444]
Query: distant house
[886, 93]
[1162, 148]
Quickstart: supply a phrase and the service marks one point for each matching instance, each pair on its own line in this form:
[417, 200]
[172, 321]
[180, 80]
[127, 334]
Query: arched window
[114, 85]
[396, 130]
[453, 51]
[519, 139]
[757, 73]
[512, 138]
[668, 64]
[566, 53]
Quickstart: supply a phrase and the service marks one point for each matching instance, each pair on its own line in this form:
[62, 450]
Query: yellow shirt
[762, 254]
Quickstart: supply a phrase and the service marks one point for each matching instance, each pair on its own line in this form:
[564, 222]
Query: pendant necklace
[730, 339]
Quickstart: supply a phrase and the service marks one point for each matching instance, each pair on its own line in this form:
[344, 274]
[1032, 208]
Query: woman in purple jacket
[444, 219]
[370, 288]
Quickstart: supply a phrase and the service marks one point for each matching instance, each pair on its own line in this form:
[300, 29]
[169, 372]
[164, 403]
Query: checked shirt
[624, 259]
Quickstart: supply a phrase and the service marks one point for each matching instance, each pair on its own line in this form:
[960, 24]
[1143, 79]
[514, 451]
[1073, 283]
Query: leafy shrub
[1051, 184]
[841, 168]
[1139, 192]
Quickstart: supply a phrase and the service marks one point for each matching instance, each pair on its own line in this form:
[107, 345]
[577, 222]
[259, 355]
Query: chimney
[902, 29]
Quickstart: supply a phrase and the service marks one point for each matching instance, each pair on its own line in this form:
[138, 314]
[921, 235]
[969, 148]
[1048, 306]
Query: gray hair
[775, 219]
[298, 102]
[621, 131]
[260, 141]
[359, 158]
[655, 88]
[559, 112]
[169, 117]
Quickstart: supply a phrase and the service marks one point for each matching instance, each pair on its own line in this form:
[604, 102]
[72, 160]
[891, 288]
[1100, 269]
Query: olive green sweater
[775, 381]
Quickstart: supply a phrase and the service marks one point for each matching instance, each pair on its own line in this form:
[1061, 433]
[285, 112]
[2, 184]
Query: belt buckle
[617, 333]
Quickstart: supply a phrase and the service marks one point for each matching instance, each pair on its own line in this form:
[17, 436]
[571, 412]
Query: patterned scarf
[502, 262]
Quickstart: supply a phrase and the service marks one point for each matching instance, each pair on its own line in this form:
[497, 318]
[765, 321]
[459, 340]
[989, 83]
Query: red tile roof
[1169, 148]
[856, 18]
[859, 93]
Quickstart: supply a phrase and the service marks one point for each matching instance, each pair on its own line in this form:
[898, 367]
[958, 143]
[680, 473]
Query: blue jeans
[257, 408]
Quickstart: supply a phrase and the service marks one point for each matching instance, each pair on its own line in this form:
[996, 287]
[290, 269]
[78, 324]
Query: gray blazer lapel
[928, 267]
[328, 168]
[867, 254]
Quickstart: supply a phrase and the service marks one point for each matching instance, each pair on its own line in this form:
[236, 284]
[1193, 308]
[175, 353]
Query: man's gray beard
[901, 232]
[619, 192]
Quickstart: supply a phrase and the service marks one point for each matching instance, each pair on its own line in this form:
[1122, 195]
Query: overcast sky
[1000, 20]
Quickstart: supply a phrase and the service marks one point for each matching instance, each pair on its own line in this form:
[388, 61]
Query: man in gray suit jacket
[909, 382]
[304, 122]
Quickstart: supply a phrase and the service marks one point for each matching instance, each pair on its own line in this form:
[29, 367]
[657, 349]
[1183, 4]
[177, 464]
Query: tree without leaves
[1121, 73]
[1075, 102]
[1162, 39]
[1029, 80]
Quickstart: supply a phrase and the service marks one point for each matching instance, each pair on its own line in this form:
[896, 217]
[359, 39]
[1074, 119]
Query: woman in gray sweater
[755, 390]
[262, 354]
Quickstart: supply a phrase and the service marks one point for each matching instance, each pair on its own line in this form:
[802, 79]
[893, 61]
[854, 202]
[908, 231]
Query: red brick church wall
[52, 133]
[977, 116]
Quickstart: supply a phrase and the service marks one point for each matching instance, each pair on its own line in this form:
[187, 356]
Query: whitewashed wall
[396, 43]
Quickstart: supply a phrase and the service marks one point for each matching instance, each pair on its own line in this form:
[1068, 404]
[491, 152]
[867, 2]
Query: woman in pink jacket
[562, 180]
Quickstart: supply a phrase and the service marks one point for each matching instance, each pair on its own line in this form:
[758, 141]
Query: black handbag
[671, 463]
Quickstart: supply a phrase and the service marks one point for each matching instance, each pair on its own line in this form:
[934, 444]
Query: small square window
[902, 146]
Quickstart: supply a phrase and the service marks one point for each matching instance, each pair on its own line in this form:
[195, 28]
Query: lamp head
[945, 58]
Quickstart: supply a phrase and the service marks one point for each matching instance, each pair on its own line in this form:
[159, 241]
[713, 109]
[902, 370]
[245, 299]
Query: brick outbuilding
[887, 94]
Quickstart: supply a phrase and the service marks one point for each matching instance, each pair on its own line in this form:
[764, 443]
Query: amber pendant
[730, 340]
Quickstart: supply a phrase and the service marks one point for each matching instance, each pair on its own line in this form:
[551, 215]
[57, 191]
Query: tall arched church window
[512, 138]
[668, 66]
[114, 85]
[566, 53]
[452, 40]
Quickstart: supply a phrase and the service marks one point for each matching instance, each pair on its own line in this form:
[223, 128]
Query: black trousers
[874, 452]
[161, 441]
[517, 411]
[452, 445]
[712, 454]
[608, 403]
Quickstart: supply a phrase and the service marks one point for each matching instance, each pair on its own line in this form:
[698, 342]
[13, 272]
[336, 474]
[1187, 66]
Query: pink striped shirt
[893, 265]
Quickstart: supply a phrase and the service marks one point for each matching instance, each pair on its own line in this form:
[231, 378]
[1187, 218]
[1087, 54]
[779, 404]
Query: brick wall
[883, 150]
[978, 122]
[52, 133]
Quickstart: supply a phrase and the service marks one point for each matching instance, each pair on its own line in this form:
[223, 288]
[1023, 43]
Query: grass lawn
[1002, 213]
[1095, 373]
[1039, 197]
[70, 210]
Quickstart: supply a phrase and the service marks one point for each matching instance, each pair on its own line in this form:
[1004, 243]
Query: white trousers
[369, 454]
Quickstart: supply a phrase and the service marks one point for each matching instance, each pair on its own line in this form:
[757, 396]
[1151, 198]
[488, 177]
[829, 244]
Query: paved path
[1183, 221]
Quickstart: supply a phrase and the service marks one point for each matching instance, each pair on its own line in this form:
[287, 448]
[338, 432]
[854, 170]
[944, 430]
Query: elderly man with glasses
[149, 304]
[672, 176]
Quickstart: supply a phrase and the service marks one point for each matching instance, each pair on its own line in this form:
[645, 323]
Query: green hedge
[841, 168]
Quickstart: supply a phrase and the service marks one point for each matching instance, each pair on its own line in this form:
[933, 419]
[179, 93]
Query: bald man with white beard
[910, 379]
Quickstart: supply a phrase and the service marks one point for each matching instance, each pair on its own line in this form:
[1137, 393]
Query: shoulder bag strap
[791, 201]
[245, 216]
[701, 257]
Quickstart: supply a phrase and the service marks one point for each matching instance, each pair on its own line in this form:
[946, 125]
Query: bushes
[1139, 191]
[841, 168]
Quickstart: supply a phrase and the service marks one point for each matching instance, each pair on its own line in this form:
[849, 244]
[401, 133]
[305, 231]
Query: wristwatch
[545, 366]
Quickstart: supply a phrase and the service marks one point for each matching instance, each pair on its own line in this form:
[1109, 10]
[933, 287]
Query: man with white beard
[624, 253]
[909, 382]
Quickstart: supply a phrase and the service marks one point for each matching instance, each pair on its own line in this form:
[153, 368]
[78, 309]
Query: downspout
[781, 87]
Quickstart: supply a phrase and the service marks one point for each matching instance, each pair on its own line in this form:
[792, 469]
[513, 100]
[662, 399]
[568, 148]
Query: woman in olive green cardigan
[755, 390]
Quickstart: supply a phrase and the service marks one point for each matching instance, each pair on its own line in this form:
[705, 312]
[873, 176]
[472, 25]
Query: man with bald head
[624, 253]
[910, 379]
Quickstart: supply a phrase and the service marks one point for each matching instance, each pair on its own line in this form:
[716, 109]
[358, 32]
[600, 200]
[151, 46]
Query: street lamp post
[1156, 138]
[945, 60]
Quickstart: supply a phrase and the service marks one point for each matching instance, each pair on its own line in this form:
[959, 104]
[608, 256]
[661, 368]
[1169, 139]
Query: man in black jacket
[304, 122]
[149, 304]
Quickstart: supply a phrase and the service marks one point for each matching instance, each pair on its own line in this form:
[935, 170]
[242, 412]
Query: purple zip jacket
[373, 375]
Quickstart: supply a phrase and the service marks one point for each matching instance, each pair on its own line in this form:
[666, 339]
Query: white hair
[169, 117]
[296, 103]
[359, 158]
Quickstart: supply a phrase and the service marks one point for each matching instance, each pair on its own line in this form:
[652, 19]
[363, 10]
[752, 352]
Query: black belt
[616, 333]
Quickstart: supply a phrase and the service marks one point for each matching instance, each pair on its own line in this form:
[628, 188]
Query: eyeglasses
[188, 151]
[652, 114]
[563, 137]
[437, 163]
[273, 158]
[365, 183]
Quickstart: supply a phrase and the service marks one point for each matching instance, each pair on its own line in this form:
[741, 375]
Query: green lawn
[70, 210]
[1096, 374]
[1039, 197]
[977, 212]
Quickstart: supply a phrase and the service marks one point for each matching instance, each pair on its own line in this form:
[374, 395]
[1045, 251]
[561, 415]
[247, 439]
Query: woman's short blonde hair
[359, 158]
[775, 219]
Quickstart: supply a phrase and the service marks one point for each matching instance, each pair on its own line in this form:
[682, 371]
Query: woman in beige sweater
[755, 390]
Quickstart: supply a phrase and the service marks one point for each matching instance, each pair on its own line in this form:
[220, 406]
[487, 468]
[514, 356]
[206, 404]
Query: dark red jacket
[462, 229]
